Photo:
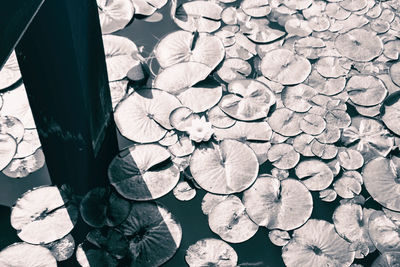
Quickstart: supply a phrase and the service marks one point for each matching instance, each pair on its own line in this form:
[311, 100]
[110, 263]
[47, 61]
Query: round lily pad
[182, 46]
[153, 234]
[390, 112]
[23, 254]
[245, 131]
[279, 237]
[303, 144]
[317, 244]
[359, 45]
[259, 30]
[231, 222]
[297, 97]
[89, 255]
[143, 172]
[248, 100]
[10, 73]
[114, 15]
[121, 55]
[181, 118]
[12, 126]
[29, 144]
[101, 206]
[315, 174]
[150, 110]
[327, 195]
[275, 204]
[395, 73]
[366, 90]
[147, 7]
[349, 184]
[350, 159]
[63, 248]
[210, 201]
[224, 168]
[285, 67]
[219, 119]
[256, 8]
[183, 147]
[234, 69]
[283, 156]
[22, 167]
[383, 232]
[285, 122]
[312, 124]
[110, 240]
[333, 67]
[43, 215]
[211, 252]
[8, 147]
[381, 179]
[184, 191]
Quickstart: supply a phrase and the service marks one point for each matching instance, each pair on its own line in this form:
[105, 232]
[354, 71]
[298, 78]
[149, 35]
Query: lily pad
[245, 131]
[10, 73]
[260, 31]
[114, 15]
[211, 251]
[381, 179]
[256, 8]
[349, 184]
[285, 67]
[88, 255]
[8, 147]
[153, 234]
[219, 119]
[327, 195]
[285, 122]
[278, 237]
[109, 240]
[43, 215]
[101, 206]
[366, 90]
[150, 110]
[297, 97]
[184, 192]
[283, 156]
[317, 244]
[182, 46]
[63, 248]
[390, 112]
[19, 168]
[395, 73]
[210, 201]
[148, 7]
[231, 222]
[224, 168]
[384, 233]
[23, 254]
[248, 100]
[275, 204]
[143, 172]
[350, 159]
[234, 69]
[315, 174]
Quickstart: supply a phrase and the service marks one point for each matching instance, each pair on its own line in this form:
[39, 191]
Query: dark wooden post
[62, 62]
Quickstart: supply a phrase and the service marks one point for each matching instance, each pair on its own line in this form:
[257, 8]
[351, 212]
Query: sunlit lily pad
[390, 112]
[285, 67]
[143, 172]
[285, 122]
[234, 69]
[245, 131]
[153, 234]
[8, 147]
[148, 7]
[10, 73]
[210, 201]
[256, 8]
[283, 156]
[88, 255]
[22, 167]
[182, 46]
[359, 45]
[231, 222]
[63, 248]
[314, 174]
[101, 206]
[275, 204]
[383, 232]
[150, 110]
[43, 215]
[184, 191]
[23, 254]
[114, 15]
[279, 237]
[297, 97]
[211, 251]
[226, 168]
[317, 244]
[327, 195]
[366, 90]
[349, 184]
[259, 30]
[381, 179]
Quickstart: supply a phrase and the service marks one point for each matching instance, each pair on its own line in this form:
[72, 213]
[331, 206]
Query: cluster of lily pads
[267, 105]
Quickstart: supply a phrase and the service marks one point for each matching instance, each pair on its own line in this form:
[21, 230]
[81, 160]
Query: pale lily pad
[383, 232]
[182, 46]
[231, 222]
[150, 110]
[114, 15]
[29, 144]
[43, 215]
[317, 244]
[88, 255]
[143, 172]
[395, 73]
[315, 174]
[234, 69]
[22, 167]
[148, 7]
[350, 159]
[153, 234]
[381, 179]
[210, 201]
[184, 192]
[10, 73]
[298, 27]
[366, 90]
[259, 30]
[333, 67]
[275, 204]
[23, 254]
[8, 147]
[181, 118]
[327, 195]
[101, 206]
[219, 119]
[359, 45]
[256, 8]
[303, 144]
[226, 168]
[283, 156]
[312, 124]
[63, 248]
[211, 251]
[279, 237]
[245, 131]
[390, 112]
[297, 97]
[285, 122]
[349, 184]
[285, 67]
[323, 150]
[248, 100]
[121, 55]
[297, 4]
[184, 146]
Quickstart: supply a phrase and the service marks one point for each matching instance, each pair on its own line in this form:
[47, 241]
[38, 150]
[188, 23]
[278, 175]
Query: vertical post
[62, 62]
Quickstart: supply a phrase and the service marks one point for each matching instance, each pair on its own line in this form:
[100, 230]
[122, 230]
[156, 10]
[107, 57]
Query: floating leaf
[246, 131]
[327, 195]
[121, 55]
[275, 204]
[259, 30]
[381, 177]
[22, 167]
[211, 251]
[182, 46]
[231, 222]
[395, 73]
[62, 249]
[297, 97]
[312, 124]
[109, 240]
[226, 168]
[317, 244]
[359, 45]
[201, 16]
[101, 206]
[285, 122]
[8, 147]
[150, 110]
[182, 148]
[219, 119]
[333, 67]
[234, 69]
[350, 159]
[153, 234]
[278, 237]
[210, 201]
[366, 90]
[248, 100]
[285, 67]
[181, 118]
[303, 143]
[89, 255]
[256, 8]
[143, 172]
[323, 150]
[114, 15]
[315, 174]
[383, 232]
[184, 192]
[147, 7]
[10, 73]
[23, 254]
[298, 27]
[297, 4]
[43, 215]
[349, 184]
[283, 156]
